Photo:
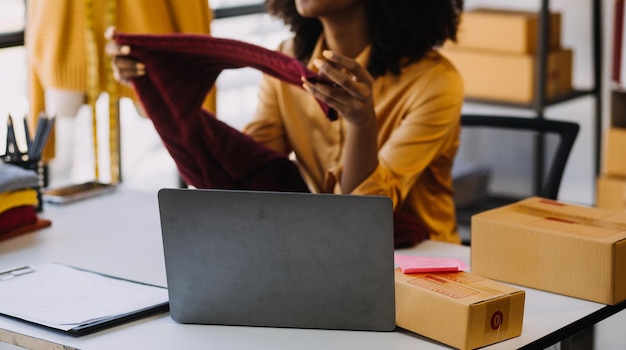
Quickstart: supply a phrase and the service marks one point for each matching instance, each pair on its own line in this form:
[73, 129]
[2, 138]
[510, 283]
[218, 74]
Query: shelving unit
[540, 102]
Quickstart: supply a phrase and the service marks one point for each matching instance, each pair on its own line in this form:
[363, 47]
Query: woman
[399, 103]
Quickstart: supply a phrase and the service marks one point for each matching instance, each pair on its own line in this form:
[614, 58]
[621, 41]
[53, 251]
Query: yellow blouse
[419, 127]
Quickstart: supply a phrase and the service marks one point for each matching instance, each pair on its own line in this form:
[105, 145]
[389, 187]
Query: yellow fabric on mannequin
[56, 47]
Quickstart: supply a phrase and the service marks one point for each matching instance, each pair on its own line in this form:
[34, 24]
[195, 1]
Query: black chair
[521, 158]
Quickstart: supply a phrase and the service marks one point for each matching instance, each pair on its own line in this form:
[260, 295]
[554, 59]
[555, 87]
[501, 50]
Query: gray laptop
[279, 259]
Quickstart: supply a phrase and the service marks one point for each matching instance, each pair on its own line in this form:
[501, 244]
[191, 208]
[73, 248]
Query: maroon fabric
[407, 231]
[203, 57]
[16, 217]
[181, 69]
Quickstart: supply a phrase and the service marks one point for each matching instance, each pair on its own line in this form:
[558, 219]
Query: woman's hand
[124, 67]
[351, 95]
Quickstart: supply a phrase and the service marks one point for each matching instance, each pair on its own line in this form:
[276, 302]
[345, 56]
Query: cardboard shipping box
[460, 309]
[567, 249]
[505, 30]
[611, 192]
[510, 77]
[615, 161]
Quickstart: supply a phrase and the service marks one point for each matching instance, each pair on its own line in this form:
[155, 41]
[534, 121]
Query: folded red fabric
[16, 217]
[180, 71]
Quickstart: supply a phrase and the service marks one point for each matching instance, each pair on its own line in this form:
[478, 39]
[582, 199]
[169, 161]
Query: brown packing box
[615, 161]
[505, 30]
[611, 192]
[460, 309]
[567, 249]
[510, 77]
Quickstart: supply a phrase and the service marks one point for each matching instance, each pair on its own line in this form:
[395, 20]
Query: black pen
[11, 153]
[31, 150]
[7, 149]
[39, 130]
[43, 137]
[29, 140]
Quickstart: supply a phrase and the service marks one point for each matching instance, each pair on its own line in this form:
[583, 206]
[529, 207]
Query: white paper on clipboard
[65, 297]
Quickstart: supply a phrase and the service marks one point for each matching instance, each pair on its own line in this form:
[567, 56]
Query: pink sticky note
[421, 264]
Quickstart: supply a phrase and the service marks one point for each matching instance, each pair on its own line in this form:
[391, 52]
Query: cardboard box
[460, 309]
[615, 161]
[567, 249]
[510, 77]
[505, 30]
[611, 192]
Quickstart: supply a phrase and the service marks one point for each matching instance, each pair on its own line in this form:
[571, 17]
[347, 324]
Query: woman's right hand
[124, 67]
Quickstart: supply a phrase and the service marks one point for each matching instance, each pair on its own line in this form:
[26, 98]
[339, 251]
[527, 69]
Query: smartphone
[72, 193]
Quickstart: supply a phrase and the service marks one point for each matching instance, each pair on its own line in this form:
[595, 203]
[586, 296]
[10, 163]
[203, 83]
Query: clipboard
[76, 301]
[118, 320]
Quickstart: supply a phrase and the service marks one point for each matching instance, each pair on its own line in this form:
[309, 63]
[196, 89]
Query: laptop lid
[279, 259]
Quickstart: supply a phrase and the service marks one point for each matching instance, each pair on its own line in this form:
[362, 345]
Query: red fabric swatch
[19, 220]
[17, 216]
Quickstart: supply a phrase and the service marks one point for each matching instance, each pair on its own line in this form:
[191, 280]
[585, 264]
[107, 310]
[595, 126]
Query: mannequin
[59, 54]
[64, 104]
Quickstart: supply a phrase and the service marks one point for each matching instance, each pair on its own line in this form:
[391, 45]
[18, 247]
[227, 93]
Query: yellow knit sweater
[55, 41]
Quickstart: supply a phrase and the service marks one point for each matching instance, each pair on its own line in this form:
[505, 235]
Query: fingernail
[125, 50]
[306, 87]
[108, 34]
[318, 63]
[140, 65]
[327, 53]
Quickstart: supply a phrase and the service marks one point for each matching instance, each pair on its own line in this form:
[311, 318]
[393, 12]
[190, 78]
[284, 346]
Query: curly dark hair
[400, 29]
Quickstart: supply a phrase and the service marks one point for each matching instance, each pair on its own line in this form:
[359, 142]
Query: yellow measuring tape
[92, 75]
[93, 87]
[114, 106]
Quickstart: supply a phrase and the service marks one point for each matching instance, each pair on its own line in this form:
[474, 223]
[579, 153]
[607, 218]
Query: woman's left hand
[351, 95]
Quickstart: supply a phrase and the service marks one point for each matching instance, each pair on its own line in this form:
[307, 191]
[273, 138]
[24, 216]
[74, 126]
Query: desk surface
[119, 234]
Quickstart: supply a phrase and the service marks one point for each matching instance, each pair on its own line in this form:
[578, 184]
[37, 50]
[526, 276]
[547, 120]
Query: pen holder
[38, 167]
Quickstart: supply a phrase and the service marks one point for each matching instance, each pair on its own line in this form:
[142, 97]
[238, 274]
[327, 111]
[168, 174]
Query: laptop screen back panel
[279, 259]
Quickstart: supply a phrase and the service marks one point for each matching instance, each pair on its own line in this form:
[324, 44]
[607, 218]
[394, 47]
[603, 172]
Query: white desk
[119, 234]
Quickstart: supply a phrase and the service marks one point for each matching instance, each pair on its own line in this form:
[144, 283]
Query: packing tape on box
[566, 218]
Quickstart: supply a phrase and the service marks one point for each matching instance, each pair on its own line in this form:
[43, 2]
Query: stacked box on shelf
[496, 53]
[611, 184]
